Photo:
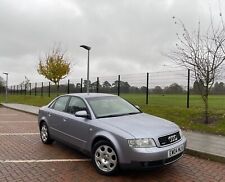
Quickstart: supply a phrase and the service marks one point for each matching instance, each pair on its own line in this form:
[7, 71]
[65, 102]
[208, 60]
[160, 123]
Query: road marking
[18, 134]
[45, 160]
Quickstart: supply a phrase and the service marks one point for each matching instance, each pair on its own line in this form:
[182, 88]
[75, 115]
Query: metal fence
[165, 82]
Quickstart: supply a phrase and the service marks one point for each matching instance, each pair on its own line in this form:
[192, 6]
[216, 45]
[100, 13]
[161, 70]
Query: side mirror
[82, 114]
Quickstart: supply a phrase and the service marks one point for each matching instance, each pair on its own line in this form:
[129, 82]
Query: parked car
[112, 131]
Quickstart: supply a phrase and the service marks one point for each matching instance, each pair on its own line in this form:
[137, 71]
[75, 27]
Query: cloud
[125, 36]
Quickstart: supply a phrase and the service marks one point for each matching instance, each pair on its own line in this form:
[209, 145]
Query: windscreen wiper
[131, 113]
[112, 115]
[116, 115]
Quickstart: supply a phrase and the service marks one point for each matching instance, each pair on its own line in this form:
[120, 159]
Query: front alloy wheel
[105, 158]
[45, 138]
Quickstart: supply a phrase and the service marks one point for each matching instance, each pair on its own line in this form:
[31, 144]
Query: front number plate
[175, 151]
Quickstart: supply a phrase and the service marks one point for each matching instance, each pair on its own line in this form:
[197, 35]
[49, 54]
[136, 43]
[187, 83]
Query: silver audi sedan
[112, 131]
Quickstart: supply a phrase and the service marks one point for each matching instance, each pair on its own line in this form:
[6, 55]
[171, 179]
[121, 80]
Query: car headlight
[141, 143]
[181, 133]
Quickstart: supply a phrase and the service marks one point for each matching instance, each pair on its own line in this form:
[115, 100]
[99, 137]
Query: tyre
[44, 134]
[104, 158]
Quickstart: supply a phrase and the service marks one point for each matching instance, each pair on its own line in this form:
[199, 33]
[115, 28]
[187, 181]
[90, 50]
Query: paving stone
[28, 147]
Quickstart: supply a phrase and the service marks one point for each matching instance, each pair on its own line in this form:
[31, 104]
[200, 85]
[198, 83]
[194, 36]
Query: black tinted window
[76, 104]
[60, 104]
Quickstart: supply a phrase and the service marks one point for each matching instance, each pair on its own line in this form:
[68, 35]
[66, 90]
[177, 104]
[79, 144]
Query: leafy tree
[54, 66]
[85, 83]
[174, 89]
[94, 85]
[157, 90]
[134, 89]
[106, 84]
[124, 86]
[143, 89]
[202, 53]
[78, 85]
[197, 86]
[219, 88]
[106, 87]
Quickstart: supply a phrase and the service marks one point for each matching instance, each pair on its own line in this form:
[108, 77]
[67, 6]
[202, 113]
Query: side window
[60, 104]
[76, 104]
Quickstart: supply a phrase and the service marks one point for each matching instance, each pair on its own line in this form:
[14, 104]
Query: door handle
[64, 120]
[49, 115]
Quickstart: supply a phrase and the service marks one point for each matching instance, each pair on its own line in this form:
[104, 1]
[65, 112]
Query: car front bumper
[155, 156]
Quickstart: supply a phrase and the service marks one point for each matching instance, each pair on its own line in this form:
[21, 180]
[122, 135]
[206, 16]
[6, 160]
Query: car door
[56, 118]
[77, 127]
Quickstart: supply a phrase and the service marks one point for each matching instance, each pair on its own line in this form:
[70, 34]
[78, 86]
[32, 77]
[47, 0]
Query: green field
[171, 107]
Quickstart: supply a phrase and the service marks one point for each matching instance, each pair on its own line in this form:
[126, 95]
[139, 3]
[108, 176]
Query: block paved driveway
[23, 157]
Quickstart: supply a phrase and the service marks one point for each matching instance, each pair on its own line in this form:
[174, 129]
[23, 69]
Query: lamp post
[6, 86]
[88, 49]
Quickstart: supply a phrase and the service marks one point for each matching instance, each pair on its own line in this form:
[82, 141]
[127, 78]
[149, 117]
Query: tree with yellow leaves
[54, 66]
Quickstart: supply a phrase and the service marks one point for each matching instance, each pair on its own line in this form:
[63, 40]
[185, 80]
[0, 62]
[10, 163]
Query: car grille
[168, 139]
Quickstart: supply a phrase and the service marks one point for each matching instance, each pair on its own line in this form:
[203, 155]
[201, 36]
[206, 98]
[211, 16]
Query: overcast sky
[126, 36]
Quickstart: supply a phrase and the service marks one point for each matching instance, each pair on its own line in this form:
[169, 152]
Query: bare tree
[2, 82]
[203, 54]
[25, 83]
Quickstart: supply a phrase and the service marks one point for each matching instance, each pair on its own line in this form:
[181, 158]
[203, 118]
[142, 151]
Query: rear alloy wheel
[105, 158]
[44, 133]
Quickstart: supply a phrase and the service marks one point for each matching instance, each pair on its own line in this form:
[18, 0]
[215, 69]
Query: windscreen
[111, 106]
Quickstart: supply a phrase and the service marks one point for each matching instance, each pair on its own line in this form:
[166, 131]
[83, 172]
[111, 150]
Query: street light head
[86, 47]
[5, 73]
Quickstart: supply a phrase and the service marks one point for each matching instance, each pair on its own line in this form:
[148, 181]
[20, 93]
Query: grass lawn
[171, 107]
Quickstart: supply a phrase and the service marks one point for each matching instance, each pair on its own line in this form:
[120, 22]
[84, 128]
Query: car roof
[89, 95]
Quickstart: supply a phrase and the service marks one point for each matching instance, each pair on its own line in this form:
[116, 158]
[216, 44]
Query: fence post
[97, 85]
[30, 88]
[118, 85]
[81, 85]
[41, 88]
[68, 86]
[188, 89]
[147, 88]
[25, 89]
[49, 89]
[35, 89]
